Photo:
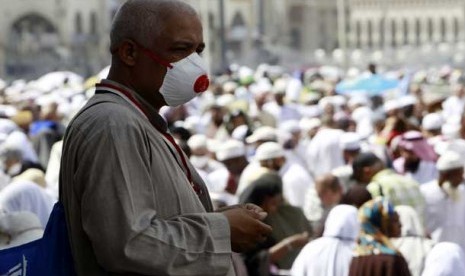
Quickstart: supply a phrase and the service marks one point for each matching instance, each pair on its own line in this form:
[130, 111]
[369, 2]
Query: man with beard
[445, 201]
[417, 158]
[370, 171]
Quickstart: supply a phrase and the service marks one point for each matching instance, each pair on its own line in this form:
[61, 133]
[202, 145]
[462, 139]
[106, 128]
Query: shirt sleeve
[118, 211]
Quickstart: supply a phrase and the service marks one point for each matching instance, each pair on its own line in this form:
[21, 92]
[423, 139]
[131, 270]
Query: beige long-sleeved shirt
[129, 207]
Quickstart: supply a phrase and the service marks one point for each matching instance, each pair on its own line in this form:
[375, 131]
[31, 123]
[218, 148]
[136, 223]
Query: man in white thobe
[296, 180]
[445, 201]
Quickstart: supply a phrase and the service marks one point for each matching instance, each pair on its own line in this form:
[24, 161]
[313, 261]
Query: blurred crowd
[360, 172]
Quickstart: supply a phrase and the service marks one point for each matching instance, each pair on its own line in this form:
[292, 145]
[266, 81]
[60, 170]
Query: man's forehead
[182, 29]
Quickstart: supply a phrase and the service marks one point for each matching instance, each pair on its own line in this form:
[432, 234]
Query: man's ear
[128, 52]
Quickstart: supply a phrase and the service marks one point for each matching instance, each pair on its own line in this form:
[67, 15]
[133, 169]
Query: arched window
[442, 26]
[430, 29]
[93, 23]
[78, 23]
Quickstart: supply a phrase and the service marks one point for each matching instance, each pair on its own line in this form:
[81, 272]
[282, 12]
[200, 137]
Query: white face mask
[199, 162]
[185, 80]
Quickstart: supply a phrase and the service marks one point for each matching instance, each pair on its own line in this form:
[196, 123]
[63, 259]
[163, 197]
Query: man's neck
[151, 102]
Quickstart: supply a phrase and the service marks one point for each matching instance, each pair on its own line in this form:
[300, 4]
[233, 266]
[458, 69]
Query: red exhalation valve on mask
[201, 84]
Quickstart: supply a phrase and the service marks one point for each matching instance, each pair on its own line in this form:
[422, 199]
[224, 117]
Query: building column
[376, 34]
[424, 30]
[437, 29]
[412, 35]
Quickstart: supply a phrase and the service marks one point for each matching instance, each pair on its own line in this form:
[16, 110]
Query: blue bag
[50, 255]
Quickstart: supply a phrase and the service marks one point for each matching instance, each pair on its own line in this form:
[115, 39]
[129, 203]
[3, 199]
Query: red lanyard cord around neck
[164, 133]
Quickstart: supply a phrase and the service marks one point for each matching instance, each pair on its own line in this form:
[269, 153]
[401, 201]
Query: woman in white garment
[331, 254]
[412, 243]
[445, 259]
[27, 196]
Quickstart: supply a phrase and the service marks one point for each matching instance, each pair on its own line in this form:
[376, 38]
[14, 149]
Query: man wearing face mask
[296, 180]
[445, 201]
[134, 204]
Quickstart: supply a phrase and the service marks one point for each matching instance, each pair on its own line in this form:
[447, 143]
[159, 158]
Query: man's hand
[246, 227]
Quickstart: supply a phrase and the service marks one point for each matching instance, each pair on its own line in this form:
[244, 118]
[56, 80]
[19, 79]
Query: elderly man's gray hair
[142, 20]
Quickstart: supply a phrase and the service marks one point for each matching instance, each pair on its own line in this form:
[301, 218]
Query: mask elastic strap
[155, 57]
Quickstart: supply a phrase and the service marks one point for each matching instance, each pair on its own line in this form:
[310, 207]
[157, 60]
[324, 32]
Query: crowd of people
[350, 182]
[353, 184]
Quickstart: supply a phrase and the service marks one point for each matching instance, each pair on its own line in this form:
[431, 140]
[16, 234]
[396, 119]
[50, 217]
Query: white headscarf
[331, 254]
[446, 259]
[412, 244]
[27, 196]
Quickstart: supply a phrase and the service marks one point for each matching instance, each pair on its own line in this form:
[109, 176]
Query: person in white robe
[324, 151]
[331, 254]
[445, 259]
[412, 243]
[431, 127]
[281, 110]
[53, 168]
[454, 105]
[200, 156]
[27, 196]
[253, 170]
[351, 146]
[418, 159]
[445, 201]
[296, 180]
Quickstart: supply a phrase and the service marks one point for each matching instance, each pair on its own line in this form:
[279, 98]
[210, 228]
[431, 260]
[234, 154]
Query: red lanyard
[164, 133]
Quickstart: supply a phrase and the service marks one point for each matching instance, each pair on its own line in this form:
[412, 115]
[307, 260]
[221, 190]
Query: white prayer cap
[432, 121]
[246, 75]
[8, 110]
[338, 100]
[197, 141]
[225, 100]
[229, 87]
[280, 86]
[261, 87]
[307, 124]
[240, 132]
[213, 145]
[264, 133]
[230, 149]
[290, 126]
[448, 161]
[407, 100]
[269, 150]
[358, 100]
[391, 105]
[350, 141]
